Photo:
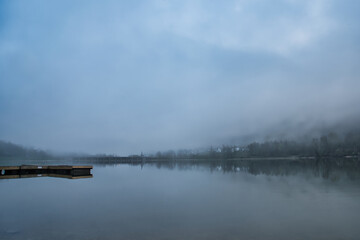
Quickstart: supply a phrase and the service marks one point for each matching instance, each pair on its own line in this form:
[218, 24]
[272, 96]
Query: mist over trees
[13, 151]
[329, 145]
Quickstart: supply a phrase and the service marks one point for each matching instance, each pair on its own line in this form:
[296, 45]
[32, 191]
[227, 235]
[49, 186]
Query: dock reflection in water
[31, 171]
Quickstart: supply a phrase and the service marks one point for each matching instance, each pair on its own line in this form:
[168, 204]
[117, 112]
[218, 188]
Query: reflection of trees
[322, 167]
[326, 168]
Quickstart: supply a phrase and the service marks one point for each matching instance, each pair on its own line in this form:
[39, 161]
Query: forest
[328, 145]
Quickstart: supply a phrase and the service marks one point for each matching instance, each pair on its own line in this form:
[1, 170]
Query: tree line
[328, 145]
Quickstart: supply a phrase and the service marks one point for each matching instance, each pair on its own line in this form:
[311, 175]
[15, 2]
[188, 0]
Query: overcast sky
[129, 76]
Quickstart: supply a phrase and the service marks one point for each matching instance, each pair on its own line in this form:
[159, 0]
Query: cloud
[278, 26]
[131, 76]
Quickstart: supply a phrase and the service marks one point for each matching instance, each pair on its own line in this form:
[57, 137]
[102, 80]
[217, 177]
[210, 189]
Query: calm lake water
[247, 200]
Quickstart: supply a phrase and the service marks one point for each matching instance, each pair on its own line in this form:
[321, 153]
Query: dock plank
[84, 167]
[9, 168]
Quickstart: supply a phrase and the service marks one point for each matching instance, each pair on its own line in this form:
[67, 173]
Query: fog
[121, 77]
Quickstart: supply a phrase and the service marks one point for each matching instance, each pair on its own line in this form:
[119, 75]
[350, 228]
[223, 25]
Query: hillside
[13, 151]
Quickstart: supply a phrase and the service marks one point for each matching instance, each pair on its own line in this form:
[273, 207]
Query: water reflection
[68, 176]
[331, 169]
[277, 199]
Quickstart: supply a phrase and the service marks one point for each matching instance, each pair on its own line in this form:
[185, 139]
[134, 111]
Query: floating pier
[63, 171]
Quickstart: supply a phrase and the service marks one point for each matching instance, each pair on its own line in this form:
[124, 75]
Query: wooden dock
[63, 171]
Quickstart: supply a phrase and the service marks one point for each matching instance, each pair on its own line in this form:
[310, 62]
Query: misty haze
[166, 119]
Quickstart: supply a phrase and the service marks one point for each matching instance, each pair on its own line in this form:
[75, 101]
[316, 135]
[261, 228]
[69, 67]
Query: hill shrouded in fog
[13, 151]
[328, 145]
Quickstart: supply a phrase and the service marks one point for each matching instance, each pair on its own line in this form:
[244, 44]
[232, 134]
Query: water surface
[261, 200]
